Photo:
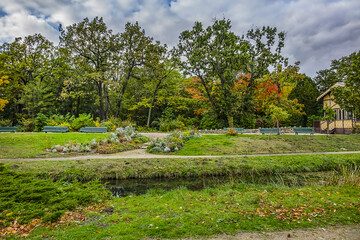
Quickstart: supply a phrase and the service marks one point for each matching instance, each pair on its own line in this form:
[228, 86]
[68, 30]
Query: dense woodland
[212, 79]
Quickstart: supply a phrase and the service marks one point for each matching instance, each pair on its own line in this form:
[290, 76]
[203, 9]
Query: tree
[30, 60]
[134, 51]
[93, 45]
[306, 93]
[216, 56]
[264, 51]
[325, 79]
[277, 104]
[3, 102]
[348, 97]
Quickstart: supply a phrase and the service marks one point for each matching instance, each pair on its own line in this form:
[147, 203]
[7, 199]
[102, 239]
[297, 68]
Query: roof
[339, 84]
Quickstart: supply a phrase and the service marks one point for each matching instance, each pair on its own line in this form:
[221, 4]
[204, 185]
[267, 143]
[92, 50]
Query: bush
[172, 143]
[231, 132]
[248, 121]
[121, 140]
[84, 120]
[40, 122]
[109, 125]
[27, 125]
[208, 121]
[5, 123]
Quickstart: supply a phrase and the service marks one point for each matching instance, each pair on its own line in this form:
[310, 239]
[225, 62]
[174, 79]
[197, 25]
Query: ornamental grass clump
[121, 140]
[172, 143]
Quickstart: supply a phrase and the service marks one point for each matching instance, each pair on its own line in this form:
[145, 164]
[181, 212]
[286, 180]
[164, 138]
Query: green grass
[32, 145]
[182, 213]
[228, 209]
[269, 144]
[176, 168]
[24, 197]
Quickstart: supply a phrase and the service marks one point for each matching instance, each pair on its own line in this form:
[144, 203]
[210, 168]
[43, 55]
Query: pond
[122, 188]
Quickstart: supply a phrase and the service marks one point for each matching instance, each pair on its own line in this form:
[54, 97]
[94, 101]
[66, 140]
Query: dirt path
[142, 154]
[327, 233]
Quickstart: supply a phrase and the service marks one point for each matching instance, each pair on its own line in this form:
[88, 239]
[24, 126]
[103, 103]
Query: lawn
[269, 144]
[258, 166]
[33, 145]
[227, 209]
[236, 206]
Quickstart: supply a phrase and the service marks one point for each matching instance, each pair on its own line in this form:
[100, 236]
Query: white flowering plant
[120, 140]
[172, 143]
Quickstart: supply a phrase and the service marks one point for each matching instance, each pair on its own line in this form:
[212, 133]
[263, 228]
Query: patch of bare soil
[328, 233]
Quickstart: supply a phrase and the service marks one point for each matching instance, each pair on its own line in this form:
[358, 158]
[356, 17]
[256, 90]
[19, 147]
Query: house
[343, 123]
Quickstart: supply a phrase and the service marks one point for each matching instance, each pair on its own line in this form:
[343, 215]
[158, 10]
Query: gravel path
[142, 154]
[351, 232]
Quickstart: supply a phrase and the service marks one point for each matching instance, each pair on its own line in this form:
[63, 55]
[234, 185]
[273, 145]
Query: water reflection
[122, 188]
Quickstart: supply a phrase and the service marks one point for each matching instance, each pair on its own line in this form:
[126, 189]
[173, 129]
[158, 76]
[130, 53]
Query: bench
[55, 129]
[298, 130]
[239, 130]
[268, 130]
[8, 129]
[94, 129]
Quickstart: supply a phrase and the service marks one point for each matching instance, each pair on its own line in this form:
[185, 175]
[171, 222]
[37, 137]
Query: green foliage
[306, 93]
[24, 197]
[109, 125]
[349, 72]
[84, 120]
[247, 121]
[27, 125]
[40, 121]
[209, 121]
[329, 113]
[168, 123]
[5, 123]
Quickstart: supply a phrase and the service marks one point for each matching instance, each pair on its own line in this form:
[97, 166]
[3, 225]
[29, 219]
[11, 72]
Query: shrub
[5, 123]
[27, 125]
[121, 140]
[208, 121]
[109, 125]
[84, 120]
[248, 121]
[231, 132]
[172, 143]
[40, 122]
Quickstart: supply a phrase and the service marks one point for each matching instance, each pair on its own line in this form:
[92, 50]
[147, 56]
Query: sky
[317, 31]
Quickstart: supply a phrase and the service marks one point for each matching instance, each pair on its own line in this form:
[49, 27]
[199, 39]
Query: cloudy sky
[317, 31]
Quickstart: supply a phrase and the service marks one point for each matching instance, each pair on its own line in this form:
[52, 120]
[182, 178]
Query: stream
[123, 188]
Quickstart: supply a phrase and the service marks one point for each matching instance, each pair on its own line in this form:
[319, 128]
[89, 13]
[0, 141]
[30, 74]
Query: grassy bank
[257, 144]
[29, 200]
[32, 145]
[26, 200]
[227, 209]
[175, 168]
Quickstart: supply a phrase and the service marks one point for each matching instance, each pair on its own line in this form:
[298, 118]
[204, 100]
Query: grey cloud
[317, 31]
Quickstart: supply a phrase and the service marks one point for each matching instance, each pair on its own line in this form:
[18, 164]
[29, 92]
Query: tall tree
[306, 93]
[264, 51]
[277, 104]
[216, 56]
[348, 97]
[91, 42]
[131, 56]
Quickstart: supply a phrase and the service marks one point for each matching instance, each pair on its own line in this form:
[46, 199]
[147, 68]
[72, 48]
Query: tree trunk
[230, 120]
[149, 117]
[101, 102]
[277, 126]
